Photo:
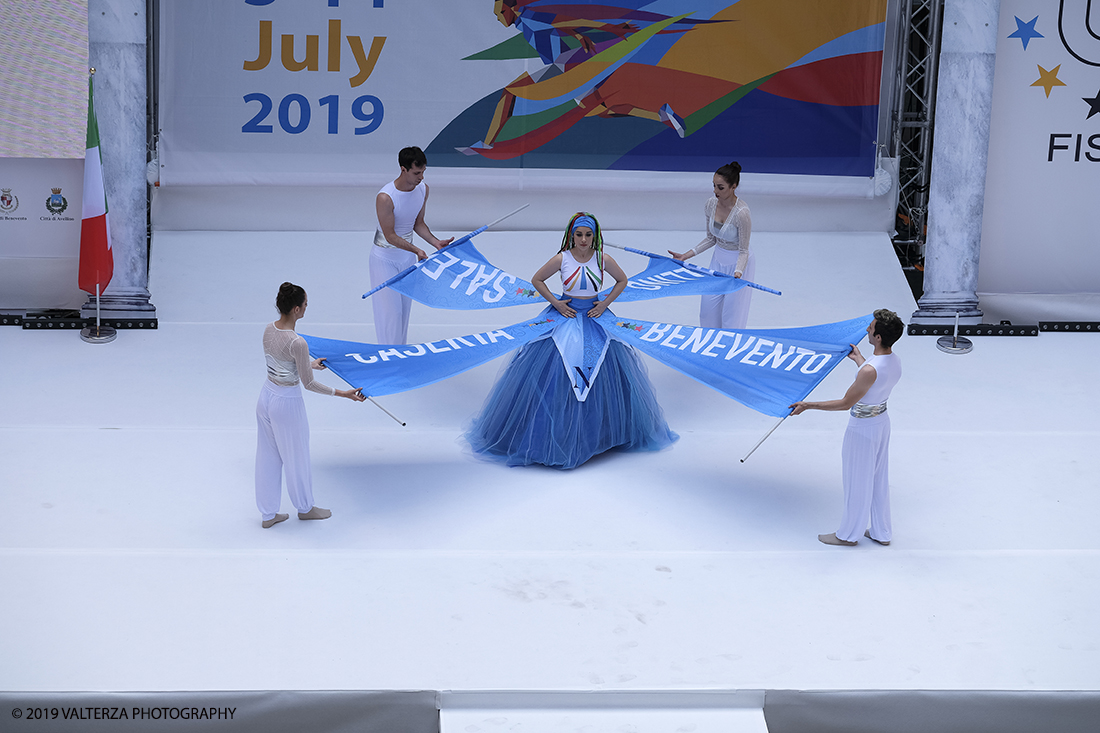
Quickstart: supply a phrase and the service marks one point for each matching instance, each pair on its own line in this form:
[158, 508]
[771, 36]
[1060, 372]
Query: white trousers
[866, 470]
[282, 446]
[730, 310]
[391, 308]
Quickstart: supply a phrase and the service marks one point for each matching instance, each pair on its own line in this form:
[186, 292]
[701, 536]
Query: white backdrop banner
[1039, 232]
[43, 131]
[325, 92]
[40, 200]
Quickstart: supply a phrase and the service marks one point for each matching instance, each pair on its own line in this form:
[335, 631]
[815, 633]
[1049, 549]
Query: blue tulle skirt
[532, 416]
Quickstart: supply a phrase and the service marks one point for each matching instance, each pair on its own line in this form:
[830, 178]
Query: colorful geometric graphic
[783, 86]
[1078, 38]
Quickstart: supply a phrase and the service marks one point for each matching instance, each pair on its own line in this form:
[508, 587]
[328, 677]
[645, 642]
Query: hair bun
[290, 296]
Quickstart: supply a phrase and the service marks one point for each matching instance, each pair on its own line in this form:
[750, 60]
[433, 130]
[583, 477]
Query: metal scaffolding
[919, 28]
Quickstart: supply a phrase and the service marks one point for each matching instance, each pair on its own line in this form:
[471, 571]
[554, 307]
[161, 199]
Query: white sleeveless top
[406, 207]
[887, 373]
[580, 278]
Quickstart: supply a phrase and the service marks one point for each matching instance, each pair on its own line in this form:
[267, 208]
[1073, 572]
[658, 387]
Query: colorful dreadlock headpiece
[584, 219]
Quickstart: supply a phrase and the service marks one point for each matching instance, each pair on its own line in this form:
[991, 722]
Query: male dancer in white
[865, 455]
[400, 206]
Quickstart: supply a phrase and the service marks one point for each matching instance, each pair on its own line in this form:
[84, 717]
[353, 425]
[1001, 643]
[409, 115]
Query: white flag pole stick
[764, 438]
[383, 409]
[493, 224]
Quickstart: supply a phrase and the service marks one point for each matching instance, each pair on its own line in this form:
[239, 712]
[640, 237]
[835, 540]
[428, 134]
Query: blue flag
[766, 370]
[666, 276]
[460, 278]
[381, 369]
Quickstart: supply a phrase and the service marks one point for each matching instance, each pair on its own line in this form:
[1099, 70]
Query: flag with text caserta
[96, 260]
[381, 369]
[766, 370]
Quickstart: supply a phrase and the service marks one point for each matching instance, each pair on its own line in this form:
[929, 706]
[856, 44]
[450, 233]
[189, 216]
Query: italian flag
[97, 264]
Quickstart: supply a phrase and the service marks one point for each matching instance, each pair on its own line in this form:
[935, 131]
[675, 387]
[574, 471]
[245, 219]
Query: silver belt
[862, 410]
[381, 241]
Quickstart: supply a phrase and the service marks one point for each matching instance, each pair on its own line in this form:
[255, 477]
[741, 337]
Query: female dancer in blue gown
[576, 392]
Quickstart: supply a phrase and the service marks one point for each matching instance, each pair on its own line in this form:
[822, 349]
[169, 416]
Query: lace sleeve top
[288, 360]
[733, 234]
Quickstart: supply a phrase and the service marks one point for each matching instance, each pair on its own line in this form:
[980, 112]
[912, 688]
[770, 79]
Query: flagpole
[383, 409]
[455, 243]
[102, 334]
[764, 438]
[690, 266]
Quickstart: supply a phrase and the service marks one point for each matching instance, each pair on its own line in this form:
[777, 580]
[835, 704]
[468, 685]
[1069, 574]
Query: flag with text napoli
[666, 276]
[97, 263]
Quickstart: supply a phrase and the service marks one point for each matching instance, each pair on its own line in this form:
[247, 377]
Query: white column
[117, 50]
[960, 148]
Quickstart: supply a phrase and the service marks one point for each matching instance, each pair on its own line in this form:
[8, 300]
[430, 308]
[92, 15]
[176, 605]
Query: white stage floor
[132, 558]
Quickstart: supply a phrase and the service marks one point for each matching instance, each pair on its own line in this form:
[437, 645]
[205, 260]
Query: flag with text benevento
[766, 370]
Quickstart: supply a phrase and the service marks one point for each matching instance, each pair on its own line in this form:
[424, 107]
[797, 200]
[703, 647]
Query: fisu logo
[1076, 30]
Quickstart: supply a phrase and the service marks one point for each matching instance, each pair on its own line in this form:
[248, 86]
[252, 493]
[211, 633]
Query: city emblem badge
[56, 203]
[8, 201]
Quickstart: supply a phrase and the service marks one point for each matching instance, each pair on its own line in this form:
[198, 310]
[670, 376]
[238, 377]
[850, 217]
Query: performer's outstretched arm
[865, 377]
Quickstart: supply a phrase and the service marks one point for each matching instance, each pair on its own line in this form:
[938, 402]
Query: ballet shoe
[867, 534]
[832, 539]
[269, 523]
[315, 513]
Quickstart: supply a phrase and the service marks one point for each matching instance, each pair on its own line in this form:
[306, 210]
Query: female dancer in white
[729, 225]
[283, 441]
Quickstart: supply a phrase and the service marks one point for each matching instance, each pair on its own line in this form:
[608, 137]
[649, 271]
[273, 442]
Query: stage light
[72, 319]
[980, 329]
[1070, 326]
